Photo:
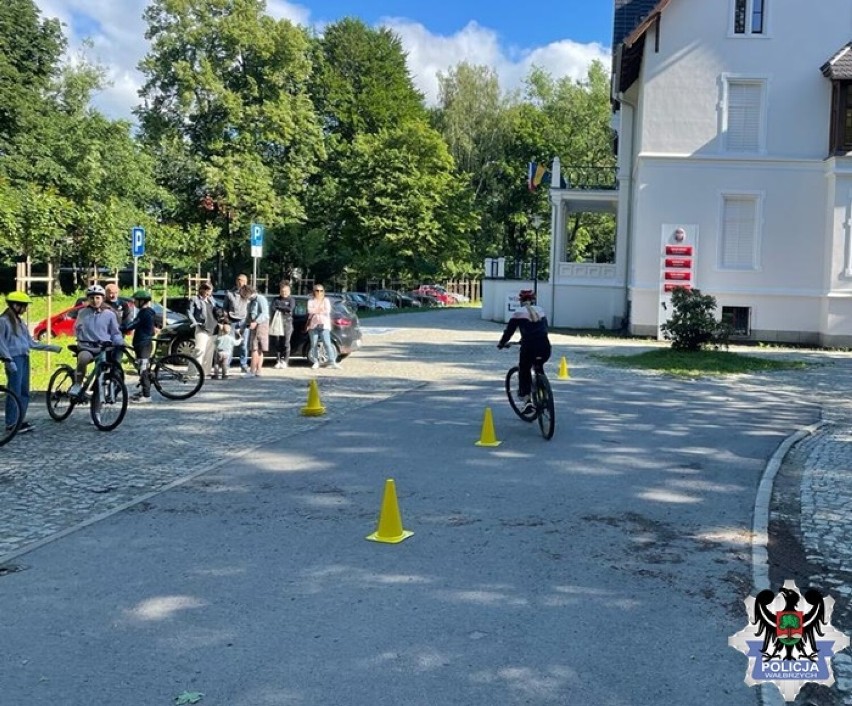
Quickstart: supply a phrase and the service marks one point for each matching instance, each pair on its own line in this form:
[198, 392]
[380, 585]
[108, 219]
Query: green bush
[693, 325]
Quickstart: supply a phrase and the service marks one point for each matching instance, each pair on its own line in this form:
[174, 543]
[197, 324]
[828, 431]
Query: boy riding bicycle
[95, 324]
[535, 343]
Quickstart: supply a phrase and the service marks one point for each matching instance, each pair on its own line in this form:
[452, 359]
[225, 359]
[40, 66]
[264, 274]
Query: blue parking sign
[137, 241]
[256, 235]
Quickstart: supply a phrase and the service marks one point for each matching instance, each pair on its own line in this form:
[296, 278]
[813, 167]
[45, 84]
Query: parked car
[362, 300]
[62, 324]
[431, 291]
[426, 299]
[345, 332]
[399, 299]
[172, 317]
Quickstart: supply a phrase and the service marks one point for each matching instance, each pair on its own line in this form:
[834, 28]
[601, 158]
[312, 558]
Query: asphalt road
[605, 567]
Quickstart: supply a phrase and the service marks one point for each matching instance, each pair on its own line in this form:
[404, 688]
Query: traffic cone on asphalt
[487, 437]
[563, 369]
[389, 529]
[314, 407]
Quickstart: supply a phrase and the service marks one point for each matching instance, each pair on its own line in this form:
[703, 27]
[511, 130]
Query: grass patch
[696, 364]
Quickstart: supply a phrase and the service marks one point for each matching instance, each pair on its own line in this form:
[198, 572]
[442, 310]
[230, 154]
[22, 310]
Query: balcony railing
[588, 178]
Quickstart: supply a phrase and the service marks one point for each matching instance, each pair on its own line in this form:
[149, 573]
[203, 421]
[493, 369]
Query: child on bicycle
[15, 346]
[535, 343]
[95, 324]
[144, 329]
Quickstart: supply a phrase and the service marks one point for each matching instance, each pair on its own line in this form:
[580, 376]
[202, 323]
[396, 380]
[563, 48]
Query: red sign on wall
[678, 275]
[679, 250]
[672, 286]
[679, 262]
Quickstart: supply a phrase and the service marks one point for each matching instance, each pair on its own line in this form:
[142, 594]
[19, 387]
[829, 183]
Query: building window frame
[729, 109]
[748, 18]
[840, 134]
[739, 319]
[727, 201]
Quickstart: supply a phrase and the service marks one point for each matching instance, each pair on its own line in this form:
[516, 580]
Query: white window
[744, 115]
[749, 17]
[740, 223]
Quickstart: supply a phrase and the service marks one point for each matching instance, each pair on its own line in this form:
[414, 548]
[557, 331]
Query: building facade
[734, 122]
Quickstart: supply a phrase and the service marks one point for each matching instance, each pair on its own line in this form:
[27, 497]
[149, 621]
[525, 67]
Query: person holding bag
[319, 325]
[282, 324]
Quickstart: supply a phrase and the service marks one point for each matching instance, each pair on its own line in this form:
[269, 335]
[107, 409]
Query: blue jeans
[326, 341]
[237, 328]
[19, 383]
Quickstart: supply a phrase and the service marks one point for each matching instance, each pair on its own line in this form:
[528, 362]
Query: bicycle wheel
[59, 403]
[512, 394]
[9, 402]
[109, 400]
[543, 399]
[177, 376]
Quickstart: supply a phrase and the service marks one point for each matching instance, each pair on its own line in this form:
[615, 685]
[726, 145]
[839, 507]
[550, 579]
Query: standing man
[258, 329]
[236, 309]
[202, 316]
[123, 311]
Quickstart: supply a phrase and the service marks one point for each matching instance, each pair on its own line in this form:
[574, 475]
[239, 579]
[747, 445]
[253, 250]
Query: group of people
[247, 322]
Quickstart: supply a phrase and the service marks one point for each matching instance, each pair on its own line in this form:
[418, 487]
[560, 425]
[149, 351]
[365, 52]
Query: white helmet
[95, 289]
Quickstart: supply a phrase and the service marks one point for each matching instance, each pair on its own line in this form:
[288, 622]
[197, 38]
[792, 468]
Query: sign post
[256, 240]
[137, 248]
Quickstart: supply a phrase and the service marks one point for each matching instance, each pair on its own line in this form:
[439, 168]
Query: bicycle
[541, 395]
[175, 376]
[103, 388]
[7, 399]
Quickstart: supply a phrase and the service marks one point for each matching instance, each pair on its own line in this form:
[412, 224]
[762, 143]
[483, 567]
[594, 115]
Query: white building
[734, 122]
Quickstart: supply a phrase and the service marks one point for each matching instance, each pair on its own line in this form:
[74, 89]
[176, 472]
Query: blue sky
[562, 37]
[519, 23]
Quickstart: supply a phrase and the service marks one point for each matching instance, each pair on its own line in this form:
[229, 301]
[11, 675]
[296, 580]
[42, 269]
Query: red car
[61, 324]
[443, 297]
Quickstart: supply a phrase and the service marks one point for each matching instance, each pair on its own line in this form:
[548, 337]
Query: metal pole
[535, 266]
[254, 273]
[135, 272]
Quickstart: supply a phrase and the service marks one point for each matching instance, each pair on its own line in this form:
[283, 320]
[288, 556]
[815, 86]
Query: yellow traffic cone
[563, 369]
[389, 529]
[314, 407]
[487, 437]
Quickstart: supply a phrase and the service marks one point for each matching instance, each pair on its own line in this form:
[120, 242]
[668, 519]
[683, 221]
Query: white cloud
[117, 31]
[429, 54]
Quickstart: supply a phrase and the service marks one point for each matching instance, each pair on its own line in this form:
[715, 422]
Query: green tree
[362, 83]
[402, 209]
[226, 98]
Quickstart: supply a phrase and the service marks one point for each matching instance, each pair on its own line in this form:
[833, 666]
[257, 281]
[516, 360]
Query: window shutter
[738, 232]
[744, 115]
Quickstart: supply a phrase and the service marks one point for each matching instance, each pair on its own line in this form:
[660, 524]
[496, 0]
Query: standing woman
[282, 323]
[319, 324]
[15, 345]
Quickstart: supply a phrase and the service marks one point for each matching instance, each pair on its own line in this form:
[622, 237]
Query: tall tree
[30, 49]
[362, 83]
[226, 98]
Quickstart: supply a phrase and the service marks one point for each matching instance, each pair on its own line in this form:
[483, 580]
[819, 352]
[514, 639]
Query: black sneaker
[25, 427]
[528, 408]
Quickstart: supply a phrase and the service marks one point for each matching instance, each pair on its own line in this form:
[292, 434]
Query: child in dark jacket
[144, 328]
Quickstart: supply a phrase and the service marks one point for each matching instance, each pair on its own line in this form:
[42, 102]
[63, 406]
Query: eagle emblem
[789, 639]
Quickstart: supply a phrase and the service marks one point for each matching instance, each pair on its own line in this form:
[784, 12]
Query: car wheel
[42, 337]
[183, 346]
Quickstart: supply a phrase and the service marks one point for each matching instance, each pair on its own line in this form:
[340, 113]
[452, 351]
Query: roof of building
[839, 66]
[628, 14]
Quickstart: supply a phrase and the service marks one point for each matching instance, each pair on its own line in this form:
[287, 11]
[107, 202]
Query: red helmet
[526, 295]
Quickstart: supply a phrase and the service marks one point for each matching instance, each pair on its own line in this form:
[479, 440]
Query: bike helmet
[17, 298]
[142, 295]
[526, 295]
[95, 289]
